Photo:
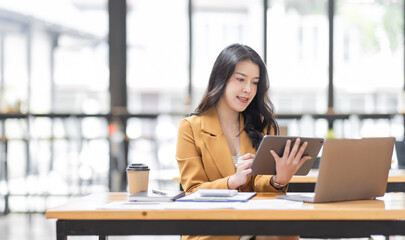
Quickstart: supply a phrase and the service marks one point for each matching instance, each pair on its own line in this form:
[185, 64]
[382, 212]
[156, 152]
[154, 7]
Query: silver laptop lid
[354, 169]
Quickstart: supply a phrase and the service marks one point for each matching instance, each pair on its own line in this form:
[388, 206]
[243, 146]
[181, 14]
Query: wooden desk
[396, 181]
[385, 216]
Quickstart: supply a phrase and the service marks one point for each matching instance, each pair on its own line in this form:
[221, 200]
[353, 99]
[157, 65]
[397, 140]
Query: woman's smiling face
[241, 87]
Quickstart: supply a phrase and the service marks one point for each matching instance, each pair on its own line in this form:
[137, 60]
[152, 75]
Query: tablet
[264, 164]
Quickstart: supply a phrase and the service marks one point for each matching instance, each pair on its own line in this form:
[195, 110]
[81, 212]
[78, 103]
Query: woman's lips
[243, 99]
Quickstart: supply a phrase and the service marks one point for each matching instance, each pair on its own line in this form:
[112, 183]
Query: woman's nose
[246, 88]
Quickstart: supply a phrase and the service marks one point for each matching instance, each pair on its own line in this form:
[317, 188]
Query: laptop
[351, 169]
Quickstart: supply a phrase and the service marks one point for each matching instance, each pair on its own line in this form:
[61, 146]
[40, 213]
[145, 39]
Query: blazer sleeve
[259, 183]
[189, 160]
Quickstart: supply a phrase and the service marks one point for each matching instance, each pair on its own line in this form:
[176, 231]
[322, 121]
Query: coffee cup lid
[137, 167]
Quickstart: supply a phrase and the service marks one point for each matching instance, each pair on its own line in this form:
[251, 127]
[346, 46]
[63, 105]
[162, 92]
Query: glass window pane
[368, 55]
[297, 55]
[217, 24]
[15, 78]
[157, 40]
[55, 56]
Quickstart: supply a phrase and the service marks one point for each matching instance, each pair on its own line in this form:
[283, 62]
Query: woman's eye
[240, 79]
[255, 83]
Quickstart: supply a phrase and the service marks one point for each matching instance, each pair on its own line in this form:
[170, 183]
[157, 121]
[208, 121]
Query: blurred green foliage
[371, 17]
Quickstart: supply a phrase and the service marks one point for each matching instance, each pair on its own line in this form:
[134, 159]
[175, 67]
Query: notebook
[217, 195]
[155, 196]
[351, 169]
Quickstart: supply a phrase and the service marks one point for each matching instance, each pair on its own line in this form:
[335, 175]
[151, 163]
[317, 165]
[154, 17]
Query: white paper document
[249, 205]
[197, 197]
[132, 205]
[268, 204]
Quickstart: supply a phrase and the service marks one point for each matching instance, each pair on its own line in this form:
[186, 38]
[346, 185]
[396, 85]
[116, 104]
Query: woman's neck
[230, 125]
[226, 115]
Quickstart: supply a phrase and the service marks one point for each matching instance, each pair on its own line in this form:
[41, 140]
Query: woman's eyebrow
[245, 75]
[241, 74]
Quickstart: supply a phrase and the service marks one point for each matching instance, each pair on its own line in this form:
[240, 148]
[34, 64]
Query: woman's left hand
[290, 162]
[242, 171]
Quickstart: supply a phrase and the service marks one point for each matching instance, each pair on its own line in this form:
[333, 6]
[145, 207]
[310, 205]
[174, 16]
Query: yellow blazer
[204, 158]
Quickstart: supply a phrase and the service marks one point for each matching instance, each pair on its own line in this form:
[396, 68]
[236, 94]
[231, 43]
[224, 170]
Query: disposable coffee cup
[138, 177]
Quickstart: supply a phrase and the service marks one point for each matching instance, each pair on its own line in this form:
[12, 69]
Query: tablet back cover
[264, 164]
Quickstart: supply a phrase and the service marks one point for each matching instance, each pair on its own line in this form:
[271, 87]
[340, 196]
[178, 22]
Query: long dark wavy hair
[260, 112]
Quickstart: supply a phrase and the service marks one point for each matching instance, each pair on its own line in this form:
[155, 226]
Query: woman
[217, 143]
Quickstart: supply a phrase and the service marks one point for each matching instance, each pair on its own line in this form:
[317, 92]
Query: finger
[302, 148]
[245, 159]
[246, 171]
[301, 151]
[245, 164]
[295, 147]
[303, 160]
[275, 156]
[287, 148]
[247, 156]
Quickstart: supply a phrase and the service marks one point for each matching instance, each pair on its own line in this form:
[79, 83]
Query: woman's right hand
[291, 160]
[242, 171]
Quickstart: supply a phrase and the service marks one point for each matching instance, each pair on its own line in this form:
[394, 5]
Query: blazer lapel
[216, 143]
